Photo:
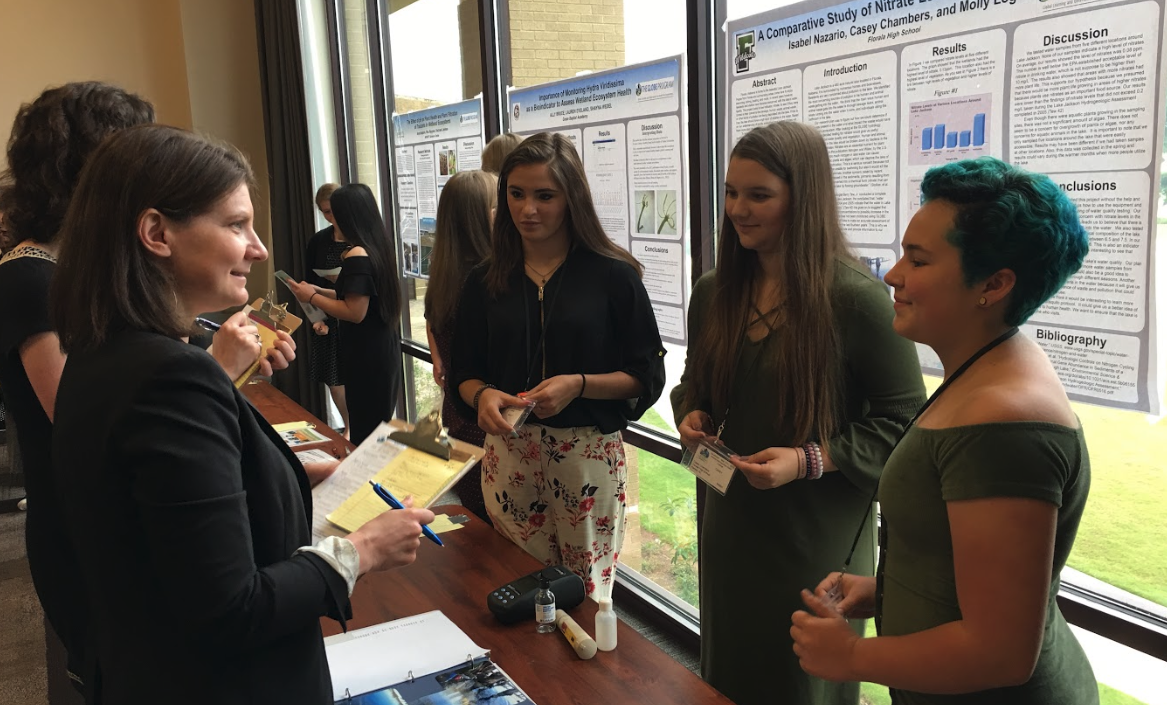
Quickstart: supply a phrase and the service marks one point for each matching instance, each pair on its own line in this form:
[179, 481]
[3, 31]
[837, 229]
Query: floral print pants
[559, 494]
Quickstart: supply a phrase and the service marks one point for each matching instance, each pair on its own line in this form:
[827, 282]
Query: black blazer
[186, 508]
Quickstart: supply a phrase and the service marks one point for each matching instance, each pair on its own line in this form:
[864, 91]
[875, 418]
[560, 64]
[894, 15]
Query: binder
[421, 659]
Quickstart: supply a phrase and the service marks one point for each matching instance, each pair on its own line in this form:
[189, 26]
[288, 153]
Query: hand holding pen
[396, 504]
[391, 539]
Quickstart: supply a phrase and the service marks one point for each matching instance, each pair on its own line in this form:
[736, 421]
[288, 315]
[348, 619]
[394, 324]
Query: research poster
[627, 125]
[430, 146]
[1071, 88]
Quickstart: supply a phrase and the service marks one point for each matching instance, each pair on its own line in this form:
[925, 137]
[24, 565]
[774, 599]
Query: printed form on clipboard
[421, 660]
[344, 501]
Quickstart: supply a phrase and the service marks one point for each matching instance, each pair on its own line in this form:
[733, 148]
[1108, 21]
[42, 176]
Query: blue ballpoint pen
[396, 504]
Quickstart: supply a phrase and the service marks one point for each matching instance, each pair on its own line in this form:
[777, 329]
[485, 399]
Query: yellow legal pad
[410, 472]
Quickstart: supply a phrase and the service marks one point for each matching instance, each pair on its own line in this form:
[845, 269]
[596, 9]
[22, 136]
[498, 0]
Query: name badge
[711, 464]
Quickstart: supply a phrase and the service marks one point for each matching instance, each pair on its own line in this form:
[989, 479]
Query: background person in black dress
[325, 251]
[367, 300]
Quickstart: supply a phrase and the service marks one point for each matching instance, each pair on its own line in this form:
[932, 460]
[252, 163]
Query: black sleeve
[642, 354]
[313, 261]
[24, 301]
[471, 337]
[358, 277]
[182, 447]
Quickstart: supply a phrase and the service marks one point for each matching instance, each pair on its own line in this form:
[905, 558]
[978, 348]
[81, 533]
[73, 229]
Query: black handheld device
[515, 601]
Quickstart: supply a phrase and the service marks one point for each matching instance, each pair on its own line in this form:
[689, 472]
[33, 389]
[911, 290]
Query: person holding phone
[367, 300]
[190, 516]
[326, 252]
[982, 498]
[559, 315]
[793, 365]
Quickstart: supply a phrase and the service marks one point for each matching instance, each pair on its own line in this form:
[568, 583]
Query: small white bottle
[544, 607]
[606, 625]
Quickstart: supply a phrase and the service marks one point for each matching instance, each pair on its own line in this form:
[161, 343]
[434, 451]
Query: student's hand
[490, 405]
[769, 468]
[320, 327]
[858, 601]
[391, 539]
[440, 376]
[696, 427]
[236, 345]
[551, 395]
[302, 290]
[823, 641]
[320, 471]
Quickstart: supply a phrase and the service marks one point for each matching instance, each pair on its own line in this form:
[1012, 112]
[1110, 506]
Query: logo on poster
[745, 51]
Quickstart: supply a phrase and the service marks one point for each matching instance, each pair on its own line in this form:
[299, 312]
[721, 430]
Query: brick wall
[552, 40]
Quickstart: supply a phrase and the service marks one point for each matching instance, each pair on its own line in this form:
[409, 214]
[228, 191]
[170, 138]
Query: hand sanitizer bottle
[606, 625]
[544, 607]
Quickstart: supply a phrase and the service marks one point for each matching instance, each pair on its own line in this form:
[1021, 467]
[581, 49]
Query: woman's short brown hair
[105, 278]
[325, 192]
[51, 140]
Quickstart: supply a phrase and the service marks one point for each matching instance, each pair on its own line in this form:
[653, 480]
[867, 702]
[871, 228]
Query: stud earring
[982, 301]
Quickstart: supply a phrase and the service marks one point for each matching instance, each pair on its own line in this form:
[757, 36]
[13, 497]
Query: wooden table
[456, 580]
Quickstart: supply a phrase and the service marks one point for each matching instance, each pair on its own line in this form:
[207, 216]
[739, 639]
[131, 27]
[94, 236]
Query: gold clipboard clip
[273, 313]
[428, 435]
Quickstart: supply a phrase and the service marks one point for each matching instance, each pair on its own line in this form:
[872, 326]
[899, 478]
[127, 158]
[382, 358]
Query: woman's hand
[302, 290]
[391, 539]
[490, 405]
[320, 327]
[320, 471]
[858, 594]
[278, 356]
[440, 375]
[823, 641]
[553, 394]
[769, 468]
[236, 345]
[696, 427]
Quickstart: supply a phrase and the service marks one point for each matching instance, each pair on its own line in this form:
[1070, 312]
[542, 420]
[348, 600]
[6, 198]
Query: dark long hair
[807, 353]
[360, 222]
[51, 140]
[583, 225]
[105, 278]
[461, 241]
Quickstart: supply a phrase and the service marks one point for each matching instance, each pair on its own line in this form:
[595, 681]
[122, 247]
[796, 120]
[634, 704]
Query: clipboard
[268, 318]
[422, 461]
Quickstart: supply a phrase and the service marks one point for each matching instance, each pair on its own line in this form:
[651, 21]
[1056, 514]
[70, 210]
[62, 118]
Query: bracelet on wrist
[583, 384]
[312, 296]
[801, 463]
[478, 394]
[814, 460]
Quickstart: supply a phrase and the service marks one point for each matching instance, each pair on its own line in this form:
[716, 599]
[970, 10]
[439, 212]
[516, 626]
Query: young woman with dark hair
[981, 500]
[461, 242]
[189, 513]
[558, 314]
[326, 252]
[367, 300]
[792, 363]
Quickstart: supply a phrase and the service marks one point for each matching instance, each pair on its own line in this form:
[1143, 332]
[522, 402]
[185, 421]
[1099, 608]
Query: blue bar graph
[926, 138]
[978, 131]
[938, 136]
[965, 138]
[950, 140]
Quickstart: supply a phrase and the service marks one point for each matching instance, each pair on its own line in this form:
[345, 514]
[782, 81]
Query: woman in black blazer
[189, 515]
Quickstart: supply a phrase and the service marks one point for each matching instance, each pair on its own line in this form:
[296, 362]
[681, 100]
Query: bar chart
[948, 129]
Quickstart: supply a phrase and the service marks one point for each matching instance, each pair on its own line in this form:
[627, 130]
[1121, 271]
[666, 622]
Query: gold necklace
[544, 277]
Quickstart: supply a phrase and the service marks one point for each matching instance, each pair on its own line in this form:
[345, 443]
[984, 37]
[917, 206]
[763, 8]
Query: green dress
[932, 467]
[760, 548]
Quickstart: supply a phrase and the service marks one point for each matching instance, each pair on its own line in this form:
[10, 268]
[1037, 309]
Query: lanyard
[754, 364]
[939, 390]
[544, 319]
